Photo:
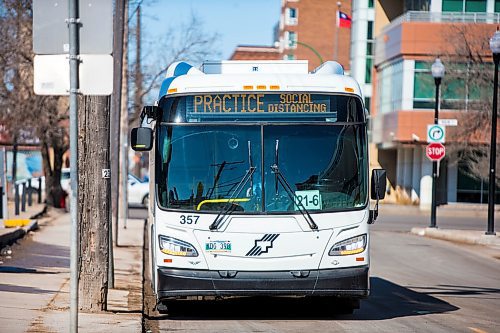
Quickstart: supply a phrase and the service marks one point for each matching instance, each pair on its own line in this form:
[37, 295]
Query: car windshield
[199, 166]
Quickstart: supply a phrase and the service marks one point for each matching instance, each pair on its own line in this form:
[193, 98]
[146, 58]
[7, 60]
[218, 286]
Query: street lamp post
[495, 49]
[437, 70]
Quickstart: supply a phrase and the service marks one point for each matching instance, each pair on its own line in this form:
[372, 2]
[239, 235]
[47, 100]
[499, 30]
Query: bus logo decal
[262, 245]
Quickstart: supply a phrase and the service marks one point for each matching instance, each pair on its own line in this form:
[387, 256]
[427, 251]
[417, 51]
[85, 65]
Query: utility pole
[138, 77]
[94, 200]
[115, 128]
[123, 204]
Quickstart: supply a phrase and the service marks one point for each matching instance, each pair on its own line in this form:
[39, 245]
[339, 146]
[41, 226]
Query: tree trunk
[93, 201]
[54, 194]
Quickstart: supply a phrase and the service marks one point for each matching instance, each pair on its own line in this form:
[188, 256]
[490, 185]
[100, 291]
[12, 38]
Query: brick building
[307, 30]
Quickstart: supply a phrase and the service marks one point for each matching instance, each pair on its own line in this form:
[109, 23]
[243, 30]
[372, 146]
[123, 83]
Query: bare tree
[187, 42]
[469, 74]
[42, 118]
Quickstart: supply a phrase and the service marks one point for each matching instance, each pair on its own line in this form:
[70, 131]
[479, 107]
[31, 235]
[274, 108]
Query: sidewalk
[24, 222]
[34, 284]
[473, 237]
[459, 235]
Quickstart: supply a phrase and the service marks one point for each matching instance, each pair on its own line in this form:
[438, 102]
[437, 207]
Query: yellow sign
[243, 103]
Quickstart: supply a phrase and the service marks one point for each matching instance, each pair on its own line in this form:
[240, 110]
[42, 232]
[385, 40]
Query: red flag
[343, 20]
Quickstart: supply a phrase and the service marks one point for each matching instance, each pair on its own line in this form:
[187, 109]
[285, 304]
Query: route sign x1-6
[435, 133]
[435, 151]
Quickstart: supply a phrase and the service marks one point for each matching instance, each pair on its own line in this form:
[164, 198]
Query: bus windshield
[199, 166]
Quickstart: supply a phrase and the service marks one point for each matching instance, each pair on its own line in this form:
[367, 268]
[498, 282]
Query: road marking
[476, 330]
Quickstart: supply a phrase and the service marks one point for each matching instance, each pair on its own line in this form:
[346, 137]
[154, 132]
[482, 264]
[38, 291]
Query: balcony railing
[443, 17]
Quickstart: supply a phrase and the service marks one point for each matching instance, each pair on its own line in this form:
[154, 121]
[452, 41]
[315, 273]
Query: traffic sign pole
[74, 45]
[434, 164]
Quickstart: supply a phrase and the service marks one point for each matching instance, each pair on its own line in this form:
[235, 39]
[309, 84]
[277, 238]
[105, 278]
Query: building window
[290, 40]
[368, 70]
[291, 16]
[367, 103]
[476, 6]
[370, 3]
[497, 6]
[390, 87]
[369, 53]
[462, 87]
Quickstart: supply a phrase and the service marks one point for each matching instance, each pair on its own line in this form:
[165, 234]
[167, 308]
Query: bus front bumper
[343, 282]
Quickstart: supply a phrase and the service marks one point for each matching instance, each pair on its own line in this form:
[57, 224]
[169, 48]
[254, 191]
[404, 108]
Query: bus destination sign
[260, 103]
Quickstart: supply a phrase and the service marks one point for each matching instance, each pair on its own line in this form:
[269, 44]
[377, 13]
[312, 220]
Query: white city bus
[259, 183]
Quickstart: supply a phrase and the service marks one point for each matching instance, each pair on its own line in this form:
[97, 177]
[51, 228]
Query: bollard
[23, 198]
[1, 203]
[16, 199]
[39, 190]
[30, 194]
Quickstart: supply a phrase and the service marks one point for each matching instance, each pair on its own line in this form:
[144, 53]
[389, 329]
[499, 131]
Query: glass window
[478, 6]
[497, 6]
[370, 3]
[328, 173]
[291, 39]
[453, 6]
[370, 30]
[368, 70]
[203, 166]
[200, 167]
[291, 16]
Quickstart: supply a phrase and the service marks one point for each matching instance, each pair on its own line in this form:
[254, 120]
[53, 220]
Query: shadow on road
[388, 300]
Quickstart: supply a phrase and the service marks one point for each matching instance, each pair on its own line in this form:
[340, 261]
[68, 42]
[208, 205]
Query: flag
[343, 20]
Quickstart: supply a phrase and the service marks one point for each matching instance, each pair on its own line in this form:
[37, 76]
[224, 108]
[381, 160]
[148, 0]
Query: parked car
[138, 191]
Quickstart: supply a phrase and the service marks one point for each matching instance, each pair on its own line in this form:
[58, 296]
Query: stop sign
[435, 151]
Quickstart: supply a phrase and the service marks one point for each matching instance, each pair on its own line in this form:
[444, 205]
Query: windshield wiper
[229, 206]
[288, 189]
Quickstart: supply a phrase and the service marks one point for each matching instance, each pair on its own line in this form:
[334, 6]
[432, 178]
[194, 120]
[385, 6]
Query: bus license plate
[218, 246]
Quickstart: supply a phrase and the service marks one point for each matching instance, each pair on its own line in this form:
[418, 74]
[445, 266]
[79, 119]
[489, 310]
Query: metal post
[39, 190]
[23, 198]
[30, 194]
[337, 27]
[437, 81]
[1, 206]
[74, 45]
[493, 152]
[16, 199]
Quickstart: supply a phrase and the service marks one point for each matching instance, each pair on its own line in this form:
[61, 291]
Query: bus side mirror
[378, 184]
[141, 138]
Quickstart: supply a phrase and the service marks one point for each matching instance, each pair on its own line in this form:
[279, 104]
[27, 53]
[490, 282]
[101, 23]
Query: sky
[238, 22]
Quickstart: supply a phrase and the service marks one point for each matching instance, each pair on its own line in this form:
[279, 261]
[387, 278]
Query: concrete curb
[473, 237]
[10, 237]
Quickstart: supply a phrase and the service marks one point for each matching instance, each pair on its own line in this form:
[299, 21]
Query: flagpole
[337, 19]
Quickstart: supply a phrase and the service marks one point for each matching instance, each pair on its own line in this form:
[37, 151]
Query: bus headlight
[176, 247]
[349, 246]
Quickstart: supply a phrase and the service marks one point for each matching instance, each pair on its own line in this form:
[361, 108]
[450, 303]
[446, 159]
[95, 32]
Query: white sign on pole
[51, 74]
[448, 122]
[435, 133]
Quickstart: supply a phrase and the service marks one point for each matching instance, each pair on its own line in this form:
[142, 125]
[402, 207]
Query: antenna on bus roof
[329, 67]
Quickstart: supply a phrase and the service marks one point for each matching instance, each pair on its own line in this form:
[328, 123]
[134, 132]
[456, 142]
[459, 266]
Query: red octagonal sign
[435, 151]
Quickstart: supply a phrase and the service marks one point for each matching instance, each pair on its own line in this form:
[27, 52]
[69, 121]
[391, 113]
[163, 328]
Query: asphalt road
[417, 285]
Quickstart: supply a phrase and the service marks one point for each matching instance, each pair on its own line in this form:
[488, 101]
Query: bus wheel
[166, 307]
[162, 308]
